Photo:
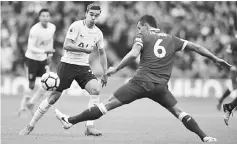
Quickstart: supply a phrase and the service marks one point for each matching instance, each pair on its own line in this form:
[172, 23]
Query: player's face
[141, 29]
[44, 17]
[92, 16]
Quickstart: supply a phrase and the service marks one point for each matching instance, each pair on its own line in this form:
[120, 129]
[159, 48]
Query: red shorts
[135, 89]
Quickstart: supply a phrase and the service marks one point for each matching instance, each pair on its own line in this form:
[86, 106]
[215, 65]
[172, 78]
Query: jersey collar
[155, 30]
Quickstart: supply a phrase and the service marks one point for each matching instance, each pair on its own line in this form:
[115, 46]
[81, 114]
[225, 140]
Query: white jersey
[83, 37]
[40, 39]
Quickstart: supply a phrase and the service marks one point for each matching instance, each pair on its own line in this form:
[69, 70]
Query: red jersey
[157, 56]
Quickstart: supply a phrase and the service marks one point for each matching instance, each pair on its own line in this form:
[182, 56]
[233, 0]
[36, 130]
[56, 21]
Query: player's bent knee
[175, 110]
[102, 108]
[53, 97]
[112, 103]
[95, 91]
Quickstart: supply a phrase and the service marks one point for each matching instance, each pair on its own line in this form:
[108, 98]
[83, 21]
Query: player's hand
[111, 70]
[233, 68]
[223, 64]
[104, 80]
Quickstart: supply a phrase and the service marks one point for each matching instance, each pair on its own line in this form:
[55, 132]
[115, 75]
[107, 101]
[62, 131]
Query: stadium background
[196, 81]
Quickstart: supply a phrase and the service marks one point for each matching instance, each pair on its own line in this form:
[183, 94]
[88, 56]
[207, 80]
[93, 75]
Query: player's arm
[201, 50]
[130, 57]
[204, 52]
[70, 40]
[102, 54]
[103, 59]
[51, 48]
[70, 45]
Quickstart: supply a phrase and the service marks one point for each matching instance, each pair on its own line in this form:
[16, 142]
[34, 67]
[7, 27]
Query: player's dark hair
[149, 20]
[93, 6]
[44, 10]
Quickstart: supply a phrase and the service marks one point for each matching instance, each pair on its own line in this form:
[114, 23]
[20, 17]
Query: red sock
[89, 114]
[192, 125]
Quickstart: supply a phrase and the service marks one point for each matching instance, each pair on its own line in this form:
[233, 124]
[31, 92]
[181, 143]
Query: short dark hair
[44, 10]
[148, 19]
[93, 6]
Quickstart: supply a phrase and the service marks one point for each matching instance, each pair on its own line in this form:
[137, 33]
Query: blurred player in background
[38, 53]
[157, 51]
[82, 38]
[232, 59]
[228, 108]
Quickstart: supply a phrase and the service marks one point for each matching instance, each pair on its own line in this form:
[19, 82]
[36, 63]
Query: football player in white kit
[39, 50]
[82, 38]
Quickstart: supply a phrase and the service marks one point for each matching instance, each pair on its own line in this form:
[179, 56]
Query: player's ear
[146, 26]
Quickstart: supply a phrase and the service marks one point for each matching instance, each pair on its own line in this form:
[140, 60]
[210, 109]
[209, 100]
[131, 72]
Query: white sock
[37, 95]
[94, 100]
[42, 109]
[24, 100]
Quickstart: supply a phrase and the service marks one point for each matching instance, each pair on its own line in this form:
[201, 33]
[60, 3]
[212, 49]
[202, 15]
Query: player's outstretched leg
[42, 109]
[228, 108]
[223, 97]
[93, 113]
[190, 123]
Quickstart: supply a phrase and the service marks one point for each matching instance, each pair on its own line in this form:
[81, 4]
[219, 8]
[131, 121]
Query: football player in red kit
[157, 51]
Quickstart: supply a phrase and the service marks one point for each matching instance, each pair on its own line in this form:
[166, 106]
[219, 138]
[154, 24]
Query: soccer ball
[50, 81]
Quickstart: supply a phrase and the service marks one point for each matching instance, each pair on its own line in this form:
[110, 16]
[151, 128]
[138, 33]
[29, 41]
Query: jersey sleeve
[139, 39]
[100, 44]
[72, 31]
[179, 44]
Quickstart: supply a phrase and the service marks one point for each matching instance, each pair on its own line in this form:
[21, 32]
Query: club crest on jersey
[72, 30]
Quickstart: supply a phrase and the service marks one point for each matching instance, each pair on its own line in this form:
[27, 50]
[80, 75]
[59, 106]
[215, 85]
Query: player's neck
[88, 25]
[44, 25]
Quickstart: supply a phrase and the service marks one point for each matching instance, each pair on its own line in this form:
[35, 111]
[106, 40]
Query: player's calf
[192, 125]
[93, 113]
[188, 122]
